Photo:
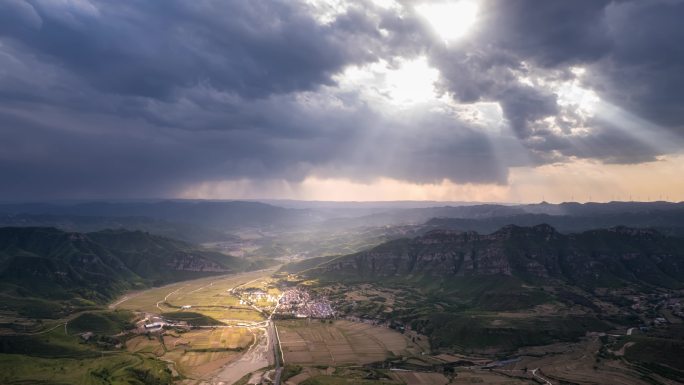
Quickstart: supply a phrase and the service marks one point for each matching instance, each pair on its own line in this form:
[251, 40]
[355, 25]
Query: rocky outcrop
[192, 262]
[594, 258]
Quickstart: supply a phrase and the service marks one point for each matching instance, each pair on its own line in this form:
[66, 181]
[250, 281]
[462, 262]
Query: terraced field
[197, 352]
[341, 342]
[418, 378]
[578, 363]
[211, 339]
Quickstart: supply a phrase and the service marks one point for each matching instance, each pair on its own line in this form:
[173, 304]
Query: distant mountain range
[670, 222]
[215, 221]
[193, 233]
[46, 263]
[634, 214]
[217, 214]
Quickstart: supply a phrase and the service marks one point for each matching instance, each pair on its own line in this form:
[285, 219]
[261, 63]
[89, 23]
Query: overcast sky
[508, 100]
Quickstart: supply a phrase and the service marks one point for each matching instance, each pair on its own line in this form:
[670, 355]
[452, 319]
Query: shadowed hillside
[597, 258]
[38, 264]
[519, 286]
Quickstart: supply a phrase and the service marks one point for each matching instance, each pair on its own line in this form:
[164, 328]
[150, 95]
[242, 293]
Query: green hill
[48, 271]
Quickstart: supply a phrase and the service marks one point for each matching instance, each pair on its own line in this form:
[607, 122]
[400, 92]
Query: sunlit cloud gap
[403, 82]
[450, 20]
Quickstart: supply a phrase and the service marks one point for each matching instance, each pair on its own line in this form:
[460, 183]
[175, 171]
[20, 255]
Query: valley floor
[221, 331]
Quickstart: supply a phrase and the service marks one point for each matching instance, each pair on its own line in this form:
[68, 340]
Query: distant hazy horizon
[304, 203]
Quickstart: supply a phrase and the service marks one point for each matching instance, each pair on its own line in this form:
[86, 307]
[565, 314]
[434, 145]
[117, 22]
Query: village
[658, 308]
[299, 303]
[290, 303]
[255, 296]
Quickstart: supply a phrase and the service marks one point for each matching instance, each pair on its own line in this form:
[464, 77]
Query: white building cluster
[299, 303]
[254, 296]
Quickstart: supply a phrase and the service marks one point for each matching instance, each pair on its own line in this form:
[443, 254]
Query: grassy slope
[47, 273]
[117, 369]
[192, 318]
[102, 322]
[299, 266]
[660, 351]
[473, 332]
[57, 358]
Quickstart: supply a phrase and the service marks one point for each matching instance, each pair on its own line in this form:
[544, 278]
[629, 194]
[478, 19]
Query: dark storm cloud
[253, 48]
[550, 33]
[133, 98]
[631, 49]
[606, 143]
[645, 71]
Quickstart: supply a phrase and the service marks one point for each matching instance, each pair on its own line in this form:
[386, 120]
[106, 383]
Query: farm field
[261, 292]
[466, 376]
[207, 296]
[579, 364]
[115, 368]
[364, 376]
[211, 339]
[420, 378]
[341, 342]
[57, 358]
[197, 352]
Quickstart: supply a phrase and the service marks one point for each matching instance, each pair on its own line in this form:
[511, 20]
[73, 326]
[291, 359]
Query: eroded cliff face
[191, 262]
[441, 253]
[600, 257]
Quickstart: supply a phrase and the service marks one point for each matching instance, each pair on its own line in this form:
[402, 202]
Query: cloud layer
[144, 99]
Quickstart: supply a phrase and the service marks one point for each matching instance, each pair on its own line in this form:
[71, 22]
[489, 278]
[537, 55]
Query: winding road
[534, 373]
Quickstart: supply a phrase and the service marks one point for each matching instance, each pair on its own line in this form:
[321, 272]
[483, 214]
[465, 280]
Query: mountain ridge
[595, 258]
[48, 263]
